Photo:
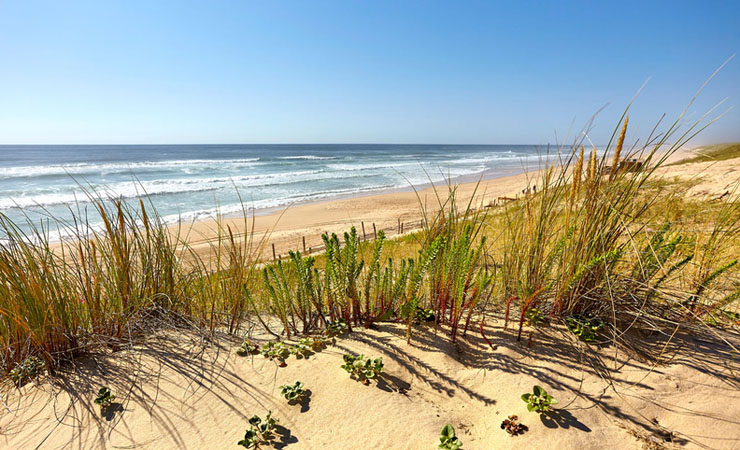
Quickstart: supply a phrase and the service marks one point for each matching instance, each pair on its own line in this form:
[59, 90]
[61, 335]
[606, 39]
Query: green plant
[105, 398]
[29, 369]
[336, 327]
[363, 369]
[533, 317]
[303, 348]
[259, 431]
[318, 343]
[247, 348]
[539, 400]
[275, 350]
[292, 392]
[587, 329]
[448, 440]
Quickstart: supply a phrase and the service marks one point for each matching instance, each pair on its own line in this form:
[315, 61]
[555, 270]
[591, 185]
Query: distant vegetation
[719, 152]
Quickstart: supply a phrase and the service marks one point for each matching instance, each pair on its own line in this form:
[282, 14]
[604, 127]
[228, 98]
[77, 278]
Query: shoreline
[286, 227]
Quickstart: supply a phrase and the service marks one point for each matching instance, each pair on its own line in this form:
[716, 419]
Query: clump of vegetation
[259, 432]
[363, 369]
[105, 398]
[303, 348]
[533, 317]
[275, 351]
[587, 329]
[292, 392]
[27, 370]
[248, 348]
[512, 426]
[336, 328]
[318, 343]
[539, 400]
[448, 440]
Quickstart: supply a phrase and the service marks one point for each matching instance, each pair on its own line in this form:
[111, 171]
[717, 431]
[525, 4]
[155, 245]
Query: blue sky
[358, 71]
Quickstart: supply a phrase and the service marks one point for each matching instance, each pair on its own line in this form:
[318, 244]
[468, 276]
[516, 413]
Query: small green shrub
[539, 400]
[533, 317]
[292, 392]
[448, 440]
[259, 431]
[29, 369]
[319, 342]
[247, 348]
[587, 329]
[275, 350]
[363, 369]
[336, 328]
[303, 348]
[105, 398]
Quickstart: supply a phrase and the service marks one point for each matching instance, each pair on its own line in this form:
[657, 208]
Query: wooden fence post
[274, 257]
[364, 235]
[375, 232]
[401, 227]
[398, 228]
[304, 244]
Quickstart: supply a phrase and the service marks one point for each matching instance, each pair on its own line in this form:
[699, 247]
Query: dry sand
[174, 394]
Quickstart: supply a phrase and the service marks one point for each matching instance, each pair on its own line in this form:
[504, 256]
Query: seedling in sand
[363, 369]
[336, 328]
[105, 398]
[29, 369]
[533, 317]
[292, 392]
[303, 348]
[247, 348]
[539, 400]
[275, 350]
[448, 440]
[513, 427]
[586, 329]
[259, 431]
[318, 343]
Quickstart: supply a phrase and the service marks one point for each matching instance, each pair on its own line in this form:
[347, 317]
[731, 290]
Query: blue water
[189, 182]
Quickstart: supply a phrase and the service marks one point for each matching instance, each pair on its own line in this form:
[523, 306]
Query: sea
[45, 184]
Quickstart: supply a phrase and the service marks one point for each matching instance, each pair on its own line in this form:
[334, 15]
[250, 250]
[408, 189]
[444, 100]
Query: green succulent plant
[448, 440]
[303, 348]
[292, 392]
[275, 350]
[259, 431]
[105, 398]
[29, 369]
[363, 369]
[247, 348]
[336, 328]
[539, 400]
[587, 329]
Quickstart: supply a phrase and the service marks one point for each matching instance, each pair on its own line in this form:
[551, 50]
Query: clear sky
[357, 71]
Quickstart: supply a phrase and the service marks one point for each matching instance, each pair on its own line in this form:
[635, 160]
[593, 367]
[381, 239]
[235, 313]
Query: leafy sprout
[539, 400]
[363, 369]
[30, 368]
[247, 348]
[275, 350]
[587, 329]
[448, 440]
[259, 431]
[292, 392]
[336, 328]
[105, 398]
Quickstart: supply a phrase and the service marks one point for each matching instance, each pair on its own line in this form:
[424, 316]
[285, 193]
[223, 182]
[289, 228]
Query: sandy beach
[286, 228]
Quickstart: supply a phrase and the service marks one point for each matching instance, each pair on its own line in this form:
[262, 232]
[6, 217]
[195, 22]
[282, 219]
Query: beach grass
[718, 152]
[591, 245]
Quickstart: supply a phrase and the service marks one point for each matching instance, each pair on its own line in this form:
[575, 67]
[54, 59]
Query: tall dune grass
[584, 246]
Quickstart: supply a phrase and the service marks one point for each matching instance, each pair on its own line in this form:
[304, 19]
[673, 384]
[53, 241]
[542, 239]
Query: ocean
[41, 183]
